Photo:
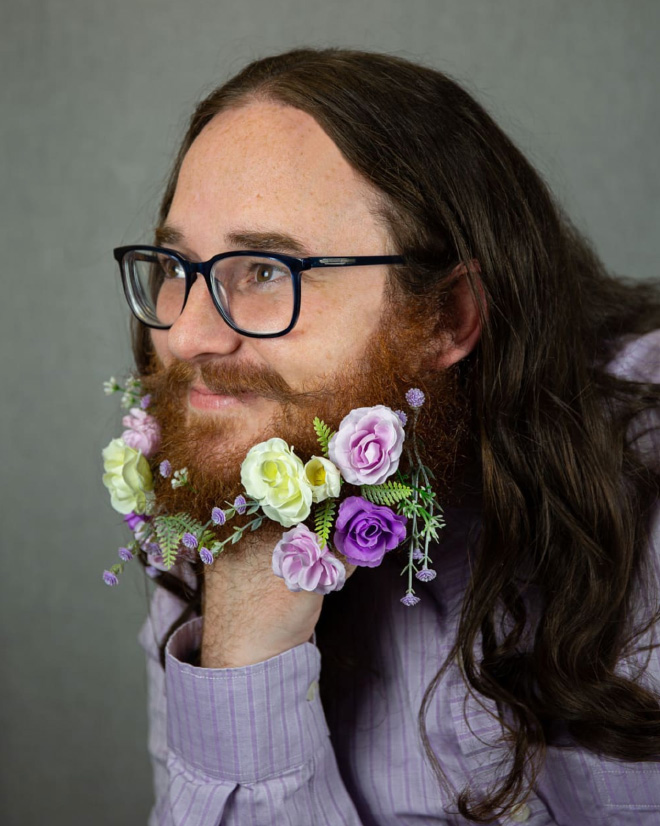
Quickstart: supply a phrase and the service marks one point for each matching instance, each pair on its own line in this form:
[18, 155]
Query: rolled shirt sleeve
[249, 744]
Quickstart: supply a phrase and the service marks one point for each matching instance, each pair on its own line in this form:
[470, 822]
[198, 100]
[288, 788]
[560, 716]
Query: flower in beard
[135, 520]
[142, 433]
[127, 477]
[272, 474]
[323, 477]
[368, 444]
[364, 532]
[299, 559]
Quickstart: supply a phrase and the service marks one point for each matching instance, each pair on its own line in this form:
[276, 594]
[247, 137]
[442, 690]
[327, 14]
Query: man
[528, 659]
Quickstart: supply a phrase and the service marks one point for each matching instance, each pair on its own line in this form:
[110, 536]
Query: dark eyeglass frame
[295, 265]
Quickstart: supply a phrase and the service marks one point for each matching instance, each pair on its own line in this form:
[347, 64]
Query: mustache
[229, 380]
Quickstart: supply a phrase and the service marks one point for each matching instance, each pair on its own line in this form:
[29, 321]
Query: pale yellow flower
[127, 477]
[272, 474]
[324, 478]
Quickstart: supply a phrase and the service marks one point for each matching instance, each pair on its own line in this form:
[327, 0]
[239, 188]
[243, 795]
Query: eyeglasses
[257, 294]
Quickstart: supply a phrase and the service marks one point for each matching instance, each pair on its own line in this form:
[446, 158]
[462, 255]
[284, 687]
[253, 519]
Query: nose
[200, 330]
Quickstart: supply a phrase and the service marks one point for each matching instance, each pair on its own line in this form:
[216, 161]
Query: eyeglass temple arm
[344, 261]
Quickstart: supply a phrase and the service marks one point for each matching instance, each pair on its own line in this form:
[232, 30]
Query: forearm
[249, 613]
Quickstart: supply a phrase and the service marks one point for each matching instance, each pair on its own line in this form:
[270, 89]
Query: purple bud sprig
[420, 507]
[241, 505]
[111, 576]
[218, 516]
[206, 556]
[126, 554]
[189, 540]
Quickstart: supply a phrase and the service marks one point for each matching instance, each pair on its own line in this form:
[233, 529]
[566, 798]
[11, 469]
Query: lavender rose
[143, 432]
[364, 532]
[367, 447]
[304, 565]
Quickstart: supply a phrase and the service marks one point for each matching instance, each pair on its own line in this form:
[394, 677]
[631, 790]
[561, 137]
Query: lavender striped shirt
[253, 745]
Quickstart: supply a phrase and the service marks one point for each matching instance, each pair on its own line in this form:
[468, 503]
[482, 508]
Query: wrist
[241, 656]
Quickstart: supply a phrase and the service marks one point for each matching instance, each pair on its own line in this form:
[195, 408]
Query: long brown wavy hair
[566, 498]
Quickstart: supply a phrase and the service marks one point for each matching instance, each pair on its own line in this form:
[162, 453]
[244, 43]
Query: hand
[249, 613]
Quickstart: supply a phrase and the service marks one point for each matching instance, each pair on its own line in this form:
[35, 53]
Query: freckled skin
[268, 167]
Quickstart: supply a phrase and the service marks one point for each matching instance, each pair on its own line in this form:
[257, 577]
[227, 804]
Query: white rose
[324, 478]
[127, 477]
[272, 474]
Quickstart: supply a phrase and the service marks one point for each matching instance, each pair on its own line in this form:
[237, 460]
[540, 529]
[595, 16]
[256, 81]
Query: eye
[267, 273]
[171, 267]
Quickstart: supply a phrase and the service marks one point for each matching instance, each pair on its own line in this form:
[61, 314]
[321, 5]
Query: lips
[200, 388]
[204, 399]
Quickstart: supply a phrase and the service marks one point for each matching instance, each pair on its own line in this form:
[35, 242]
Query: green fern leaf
[169, 537]
[324, 519]
[389, 493]
[323, 433]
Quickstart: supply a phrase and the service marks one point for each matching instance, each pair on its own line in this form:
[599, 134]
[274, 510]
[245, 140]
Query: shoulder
[638, 358]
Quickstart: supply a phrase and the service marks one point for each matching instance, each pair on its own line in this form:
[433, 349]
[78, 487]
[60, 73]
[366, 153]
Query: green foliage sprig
[324, 519]
[170, 530]
[389, 493]
[236, 536]
[324, 434]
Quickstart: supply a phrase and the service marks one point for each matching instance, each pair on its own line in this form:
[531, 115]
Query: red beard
[211, 449]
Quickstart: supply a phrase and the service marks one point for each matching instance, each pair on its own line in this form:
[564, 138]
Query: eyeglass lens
[256, 293]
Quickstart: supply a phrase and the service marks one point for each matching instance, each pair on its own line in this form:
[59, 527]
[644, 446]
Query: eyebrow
[241, 239]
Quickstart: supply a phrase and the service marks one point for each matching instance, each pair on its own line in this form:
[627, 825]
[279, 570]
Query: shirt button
[311, 691]
[520, 813]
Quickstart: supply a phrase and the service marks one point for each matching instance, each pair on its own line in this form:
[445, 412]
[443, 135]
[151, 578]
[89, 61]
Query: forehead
[271, 168]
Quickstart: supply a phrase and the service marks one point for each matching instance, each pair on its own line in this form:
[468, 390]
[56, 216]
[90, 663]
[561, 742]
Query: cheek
[316, 347]
[159, 342]
[335, 325]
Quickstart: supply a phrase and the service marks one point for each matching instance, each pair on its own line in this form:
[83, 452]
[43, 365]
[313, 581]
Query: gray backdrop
[95, 97]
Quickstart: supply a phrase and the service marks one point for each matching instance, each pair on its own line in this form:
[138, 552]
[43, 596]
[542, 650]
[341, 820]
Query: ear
[462, 338]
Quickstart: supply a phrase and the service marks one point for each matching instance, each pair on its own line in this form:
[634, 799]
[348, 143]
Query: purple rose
[367, 447]
[304, 565]
[364, 532]
[134, 520]
[143, 432]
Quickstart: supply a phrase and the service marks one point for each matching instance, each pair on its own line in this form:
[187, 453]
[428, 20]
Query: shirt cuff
[243, 724]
